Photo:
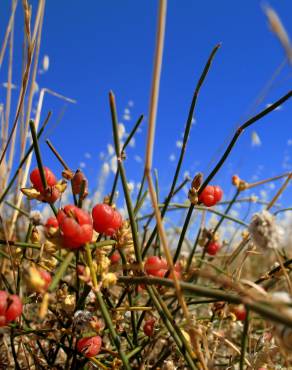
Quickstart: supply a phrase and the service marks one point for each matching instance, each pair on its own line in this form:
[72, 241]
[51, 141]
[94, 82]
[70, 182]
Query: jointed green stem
[185, 140]
[17, 171]
[261, 308]
[124, 179]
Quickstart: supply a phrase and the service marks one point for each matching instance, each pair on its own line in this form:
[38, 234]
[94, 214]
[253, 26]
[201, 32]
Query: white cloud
[137, 158]
[255, 139]
[46, 63]
[121, 131]
[278, 108]
[110, 149]
[126, 117]
[105, 168]
[132, 142]
[5, 84]
[172, 157]
[113, 164]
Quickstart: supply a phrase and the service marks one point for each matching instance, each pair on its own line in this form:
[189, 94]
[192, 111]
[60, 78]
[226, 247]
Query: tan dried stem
[25, 77]
[28, 162]
[7, 33]
[148, 167]
[249, 186]
[278, 28]
[280, 191]
[32, 82]
[8, 102]
[230, 344]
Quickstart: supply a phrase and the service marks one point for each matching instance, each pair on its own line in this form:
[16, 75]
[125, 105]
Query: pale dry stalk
[28, 162]
[148, 168]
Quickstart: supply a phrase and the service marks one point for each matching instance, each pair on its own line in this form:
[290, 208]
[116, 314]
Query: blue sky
[97, 46]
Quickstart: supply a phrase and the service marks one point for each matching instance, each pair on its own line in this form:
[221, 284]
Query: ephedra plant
[89, 288]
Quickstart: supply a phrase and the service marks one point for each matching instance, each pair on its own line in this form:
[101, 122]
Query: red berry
[106, 220]
[52, 222]
[77, 181]
[218, 193]
[154, 264]
[35, 178]
[14, 308]
[47, 277]
[207, 196]
[80, 269]
[212, 248]
[75, 226]
[115, 257]
[148, 327]
[89, 346]
[240, 312]
[51, 195]
[211, 195]
[10, 307]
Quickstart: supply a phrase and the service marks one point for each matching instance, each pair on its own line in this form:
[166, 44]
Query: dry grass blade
[278, 28]
[25, 79]
[7, 33]
[148, 167]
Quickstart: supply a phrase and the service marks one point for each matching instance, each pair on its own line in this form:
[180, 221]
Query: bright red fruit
[240, 312]
[106, 220]
[47, 277]
[115, 257]
[148, 327]
[157, 266]
[75, 226]
[35, 178]
[211, 195]
[218, 193]
[154, 264]
[52, 222]
[51, 195]
[89, 346]
[10, 307]
[212, 248]
[77, 182]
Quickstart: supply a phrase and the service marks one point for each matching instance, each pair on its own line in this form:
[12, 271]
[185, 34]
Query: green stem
[124, 179]
[185, 140]
[38, 154]
[261, 308]
[239, 131]
[24, 159]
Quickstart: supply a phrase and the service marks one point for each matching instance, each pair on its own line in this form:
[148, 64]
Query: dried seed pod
[265, 232]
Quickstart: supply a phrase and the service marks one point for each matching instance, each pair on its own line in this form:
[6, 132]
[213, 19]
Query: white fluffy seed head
[265, 232]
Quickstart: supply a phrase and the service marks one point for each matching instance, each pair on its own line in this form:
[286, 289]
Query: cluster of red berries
[157, 266]
[211, 195]
[89, 346]
[75, 225]
[10, 307]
